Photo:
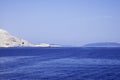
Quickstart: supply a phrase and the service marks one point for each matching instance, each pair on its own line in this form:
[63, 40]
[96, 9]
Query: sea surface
[73, 63]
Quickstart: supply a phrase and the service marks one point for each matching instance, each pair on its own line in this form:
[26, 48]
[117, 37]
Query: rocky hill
[7, 40]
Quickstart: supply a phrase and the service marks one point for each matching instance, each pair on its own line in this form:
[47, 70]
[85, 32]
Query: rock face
[7, 40]
[103, 44]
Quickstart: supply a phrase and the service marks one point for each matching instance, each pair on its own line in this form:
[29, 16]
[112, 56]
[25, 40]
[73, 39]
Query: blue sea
[72, 63]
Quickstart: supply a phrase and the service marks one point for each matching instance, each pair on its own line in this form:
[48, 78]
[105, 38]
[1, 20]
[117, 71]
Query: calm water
[60, 64]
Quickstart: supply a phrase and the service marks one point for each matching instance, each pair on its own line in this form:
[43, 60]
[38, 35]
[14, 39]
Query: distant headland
[103, 44]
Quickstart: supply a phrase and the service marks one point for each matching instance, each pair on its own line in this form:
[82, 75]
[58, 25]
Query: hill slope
[7, 40]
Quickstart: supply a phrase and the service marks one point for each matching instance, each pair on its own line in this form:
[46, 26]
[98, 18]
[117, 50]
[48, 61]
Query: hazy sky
[69, 22]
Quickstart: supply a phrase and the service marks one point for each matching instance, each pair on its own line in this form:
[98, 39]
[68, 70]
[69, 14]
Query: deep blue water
[60, 63]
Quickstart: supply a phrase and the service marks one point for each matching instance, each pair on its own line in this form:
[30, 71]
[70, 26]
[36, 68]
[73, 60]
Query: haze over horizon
[67, 22]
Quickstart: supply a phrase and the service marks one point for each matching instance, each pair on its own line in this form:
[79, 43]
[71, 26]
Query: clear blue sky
[69, 22]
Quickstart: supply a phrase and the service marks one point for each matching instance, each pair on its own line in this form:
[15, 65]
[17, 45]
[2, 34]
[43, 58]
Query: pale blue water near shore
[59, 63]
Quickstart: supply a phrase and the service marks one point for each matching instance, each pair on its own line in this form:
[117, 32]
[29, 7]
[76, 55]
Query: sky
[66, 22]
